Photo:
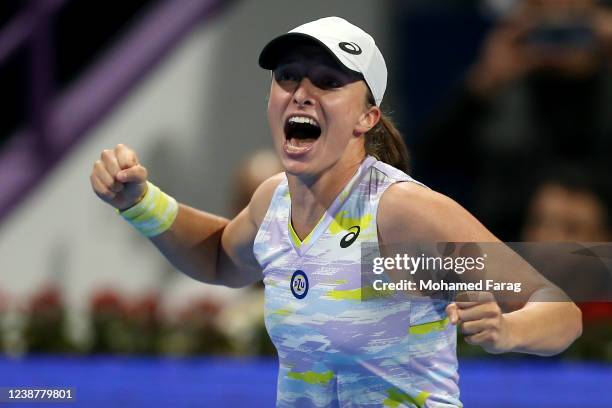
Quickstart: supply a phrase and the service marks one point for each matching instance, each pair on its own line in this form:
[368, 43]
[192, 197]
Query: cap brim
[282, 45]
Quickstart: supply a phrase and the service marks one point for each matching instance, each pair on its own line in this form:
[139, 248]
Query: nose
[304, 93]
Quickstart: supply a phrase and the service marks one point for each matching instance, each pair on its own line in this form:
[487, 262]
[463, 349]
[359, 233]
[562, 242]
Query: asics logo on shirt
[349, 238]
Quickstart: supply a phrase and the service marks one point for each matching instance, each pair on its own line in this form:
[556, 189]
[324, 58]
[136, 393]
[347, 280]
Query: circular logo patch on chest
[299, 284]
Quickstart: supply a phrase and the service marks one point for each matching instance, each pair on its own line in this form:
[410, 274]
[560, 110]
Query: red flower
[593, 312]
[107, 301]
[48, 298]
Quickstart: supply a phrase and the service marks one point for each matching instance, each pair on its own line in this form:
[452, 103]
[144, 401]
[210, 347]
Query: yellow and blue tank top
[338, 344]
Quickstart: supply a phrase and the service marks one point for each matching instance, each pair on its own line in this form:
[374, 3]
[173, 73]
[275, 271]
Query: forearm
[190, 239]
[544, 327]
[192, 244]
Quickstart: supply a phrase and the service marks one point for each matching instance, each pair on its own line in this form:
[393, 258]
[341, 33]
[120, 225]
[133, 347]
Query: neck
[312, 195]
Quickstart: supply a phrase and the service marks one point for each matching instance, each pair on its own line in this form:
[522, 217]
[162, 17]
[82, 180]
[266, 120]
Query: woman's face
[317, 112]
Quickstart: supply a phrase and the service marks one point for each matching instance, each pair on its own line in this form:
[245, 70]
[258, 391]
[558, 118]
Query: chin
[298, 168]
[295, 167]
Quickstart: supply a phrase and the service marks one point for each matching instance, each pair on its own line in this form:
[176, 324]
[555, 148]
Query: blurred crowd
[537, 99]
[525, 143]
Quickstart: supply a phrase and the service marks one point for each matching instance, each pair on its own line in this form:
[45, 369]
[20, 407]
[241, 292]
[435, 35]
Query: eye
[285, 74]
[329, 82]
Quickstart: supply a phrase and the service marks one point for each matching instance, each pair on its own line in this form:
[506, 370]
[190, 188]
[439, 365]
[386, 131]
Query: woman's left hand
[482, 322]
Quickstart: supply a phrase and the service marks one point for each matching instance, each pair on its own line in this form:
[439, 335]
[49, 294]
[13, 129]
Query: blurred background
[506, 106]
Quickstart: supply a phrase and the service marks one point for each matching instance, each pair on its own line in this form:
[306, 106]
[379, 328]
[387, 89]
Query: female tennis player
[340, 344]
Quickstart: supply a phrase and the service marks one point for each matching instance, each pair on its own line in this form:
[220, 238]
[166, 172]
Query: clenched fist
[481, 320]
[118, 178]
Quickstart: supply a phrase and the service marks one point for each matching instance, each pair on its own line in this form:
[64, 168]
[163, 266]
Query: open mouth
[301, 132]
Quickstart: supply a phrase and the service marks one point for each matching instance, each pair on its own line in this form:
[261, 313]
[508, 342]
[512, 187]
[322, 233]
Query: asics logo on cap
[350, 47]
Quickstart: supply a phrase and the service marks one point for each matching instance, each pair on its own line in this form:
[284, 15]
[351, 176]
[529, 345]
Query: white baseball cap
[350, 45]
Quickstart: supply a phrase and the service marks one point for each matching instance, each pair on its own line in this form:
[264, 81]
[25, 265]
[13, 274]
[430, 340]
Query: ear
[368, 119]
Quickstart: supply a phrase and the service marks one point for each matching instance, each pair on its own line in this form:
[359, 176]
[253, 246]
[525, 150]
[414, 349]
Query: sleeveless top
[339, 344]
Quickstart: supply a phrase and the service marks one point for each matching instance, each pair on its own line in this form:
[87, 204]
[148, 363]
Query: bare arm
[216, 250]
[207, 247]
[409, 212]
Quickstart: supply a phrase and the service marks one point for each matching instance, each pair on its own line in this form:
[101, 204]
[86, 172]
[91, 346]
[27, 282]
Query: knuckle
[108, 193]
[495, 310]
[106, 154]
[489, 309]
[99, 171]
[123, 150]
[102, 192]
[103, 184]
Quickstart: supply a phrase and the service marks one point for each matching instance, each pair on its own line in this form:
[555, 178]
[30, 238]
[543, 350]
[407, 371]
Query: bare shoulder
[410, 201]
[410, 211]
[262, 197]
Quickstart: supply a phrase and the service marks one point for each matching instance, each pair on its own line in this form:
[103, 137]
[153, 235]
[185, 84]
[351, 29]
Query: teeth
[303, 119]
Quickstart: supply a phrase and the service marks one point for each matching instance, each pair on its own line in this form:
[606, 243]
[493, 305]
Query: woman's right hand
[118, 178]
